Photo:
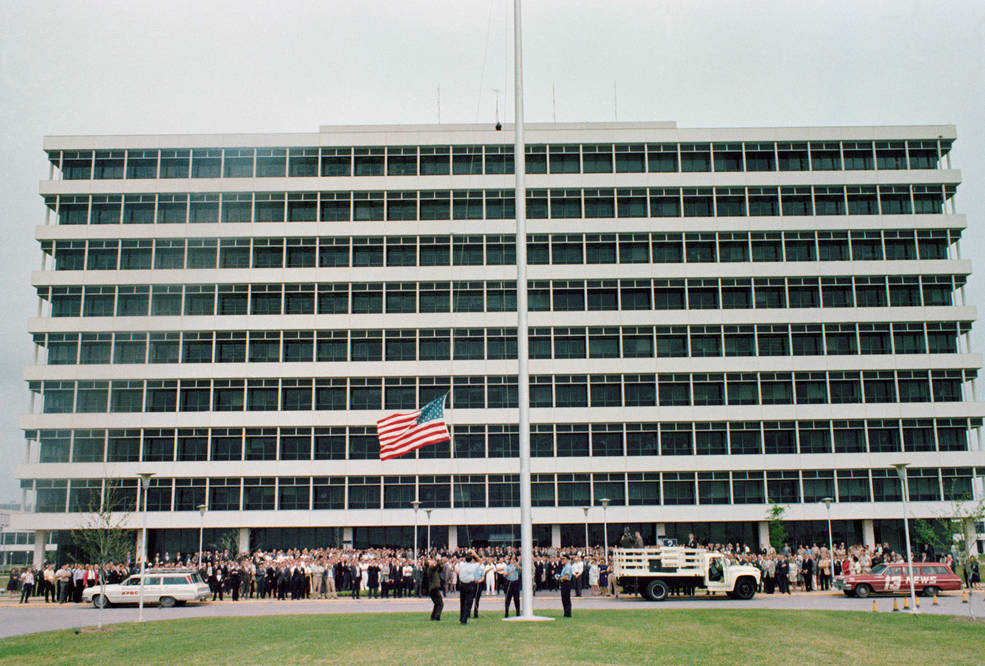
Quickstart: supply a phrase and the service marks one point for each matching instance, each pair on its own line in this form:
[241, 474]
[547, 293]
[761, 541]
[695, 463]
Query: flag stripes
[403, 432]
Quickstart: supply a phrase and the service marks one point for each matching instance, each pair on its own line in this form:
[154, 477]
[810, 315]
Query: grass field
[614, 636]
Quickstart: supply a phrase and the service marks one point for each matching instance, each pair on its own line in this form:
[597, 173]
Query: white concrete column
[868, 533]
[347, 536]
[40, 537]
[452, 537]
[244, 539]
[661, 529]
[764, 534]
[138, 551]
[555, 536]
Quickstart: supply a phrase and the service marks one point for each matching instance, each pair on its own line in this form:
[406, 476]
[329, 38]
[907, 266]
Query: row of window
[498, 159]
[604, 203]
[499, 343]
[497, 250]
[500, 392]
[500, 296]
[474, 491]
[562, 440]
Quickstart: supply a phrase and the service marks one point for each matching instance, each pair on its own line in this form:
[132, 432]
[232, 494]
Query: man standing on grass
[466, 571]
[565, 579]
[432, 581]
[512, 575]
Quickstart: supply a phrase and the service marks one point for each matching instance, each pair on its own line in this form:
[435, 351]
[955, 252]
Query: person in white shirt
[577, 569]
[466, 571]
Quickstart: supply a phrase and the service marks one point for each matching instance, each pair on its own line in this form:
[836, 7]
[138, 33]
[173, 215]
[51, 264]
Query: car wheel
[930, 591]
[863, 590]
[167, 602]
[745, 589]
[99, 601]
[656, 590]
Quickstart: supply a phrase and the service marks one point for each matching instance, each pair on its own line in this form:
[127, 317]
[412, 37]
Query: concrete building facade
[721, 320]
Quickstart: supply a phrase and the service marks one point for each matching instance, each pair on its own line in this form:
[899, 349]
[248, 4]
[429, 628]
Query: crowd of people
[327, 573]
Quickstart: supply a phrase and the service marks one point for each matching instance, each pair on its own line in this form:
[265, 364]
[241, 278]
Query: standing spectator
[13, 583]
[824, 571]
[577, 568]
[782, 575]
[48, 574]
[27, 585]
[593, 577]
[78, 582]
[355, 573]
[565, 580]
[373, 579]
[63, 580]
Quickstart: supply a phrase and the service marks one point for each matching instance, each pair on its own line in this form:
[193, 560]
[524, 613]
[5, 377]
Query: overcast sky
[137, 67]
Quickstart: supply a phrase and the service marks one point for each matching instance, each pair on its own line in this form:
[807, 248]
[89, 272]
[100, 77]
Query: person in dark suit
[782, 575]
[373, 580]
[807, 572]
[283, 581]
[235, 580]
[356, 575]
[432, 581]
[397, 579]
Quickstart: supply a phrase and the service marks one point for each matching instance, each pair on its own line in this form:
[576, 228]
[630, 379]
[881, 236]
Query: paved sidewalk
[16, 619]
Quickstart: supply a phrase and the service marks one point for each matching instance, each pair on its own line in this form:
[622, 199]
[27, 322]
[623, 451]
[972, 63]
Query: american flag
[406, 431]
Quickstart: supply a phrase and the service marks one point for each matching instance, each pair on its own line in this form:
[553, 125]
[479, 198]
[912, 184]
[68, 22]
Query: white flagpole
[523, 369]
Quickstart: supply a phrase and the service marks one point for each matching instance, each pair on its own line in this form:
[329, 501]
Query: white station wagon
[167, 588]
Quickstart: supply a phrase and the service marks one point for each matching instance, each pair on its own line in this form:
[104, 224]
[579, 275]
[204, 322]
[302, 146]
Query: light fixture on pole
[201, 529]
[831, 544]
[4, 521]
[605, 523]
[417, 505]
[585, 509]
[428, 512]
[901, 472]
[144, 485]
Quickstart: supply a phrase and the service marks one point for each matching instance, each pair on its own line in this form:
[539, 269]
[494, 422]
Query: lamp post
[428, 512]
[831, 544]
[201, 529]
[605, 523]
[144, 484]
[417, 505]
[4, 521]
[901, 472]
[585, 509]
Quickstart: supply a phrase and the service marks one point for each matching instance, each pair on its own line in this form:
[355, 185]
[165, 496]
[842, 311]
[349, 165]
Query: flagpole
[523, 369]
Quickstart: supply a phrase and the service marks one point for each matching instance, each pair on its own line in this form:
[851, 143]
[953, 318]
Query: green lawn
[612, 636]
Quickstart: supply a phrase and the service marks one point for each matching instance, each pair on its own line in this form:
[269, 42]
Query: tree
[778, 532]
[229, 541]
[955, 532]
[103, 537]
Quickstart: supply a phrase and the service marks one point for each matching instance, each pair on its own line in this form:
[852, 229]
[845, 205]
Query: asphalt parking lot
[17, 619]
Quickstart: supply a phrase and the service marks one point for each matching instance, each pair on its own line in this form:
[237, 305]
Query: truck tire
[656, 590]
[862, 590]
[745, 589]
[931, 590]
[99, 601]
[167, 602]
